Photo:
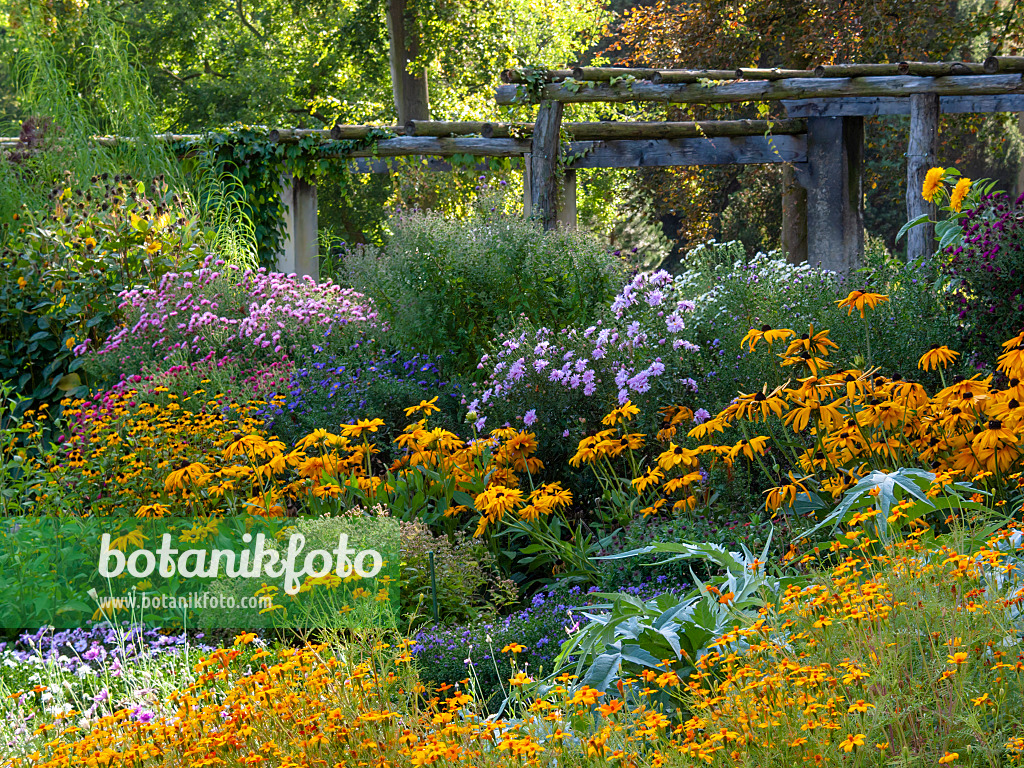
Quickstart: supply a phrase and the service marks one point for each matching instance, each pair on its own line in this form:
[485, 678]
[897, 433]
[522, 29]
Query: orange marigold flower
[851, 741]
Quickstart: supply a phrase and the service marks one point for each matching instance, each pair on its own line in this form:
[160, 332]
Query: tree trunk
[412, 98]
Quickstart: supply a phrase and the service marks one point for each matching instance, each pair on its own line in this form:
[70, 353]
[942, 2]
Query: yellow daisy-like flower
[956, 199]
[426, 406]
[932, 183]
[361, 425]
[937, 355]
[766, 333]
[858, 300]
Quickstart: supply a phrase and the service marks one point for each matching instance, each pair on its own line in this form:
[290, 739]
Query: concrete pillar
[301, 248]
[835, 197]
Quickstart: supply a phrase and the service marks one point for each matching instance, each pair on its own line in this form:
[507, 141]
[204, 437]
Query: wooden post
[835, 200]
[567, 200]
[794, 217]
[921, 151]
[300, 228]
[544, 163]
[527, 194]
[412, 97]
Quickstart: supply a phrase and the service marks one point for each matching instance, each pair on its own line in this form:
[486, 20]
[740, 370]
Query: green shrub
[443, 284]
[987, 276]
[765, 290]
[61, 272]
[464, 572]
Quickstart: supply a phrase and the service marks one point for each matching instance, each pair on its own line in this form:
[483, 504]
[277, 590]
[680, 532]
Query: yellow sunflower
[932, 183]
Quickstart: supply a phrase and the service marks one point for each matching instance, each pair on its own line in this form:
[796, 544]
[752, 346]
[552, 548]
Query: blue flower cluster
[444, 654]
[328, 389]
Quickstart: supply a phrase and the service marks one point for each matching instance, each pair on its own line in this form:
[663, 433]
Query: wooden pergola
[819, 143]
[823, 210]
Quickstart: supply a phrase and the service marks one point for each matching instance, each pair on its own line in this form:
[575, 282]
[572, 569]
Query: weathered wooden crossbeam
[894, 105]
[766, 90]
[680, 152]
[654, 130]
[442, 147]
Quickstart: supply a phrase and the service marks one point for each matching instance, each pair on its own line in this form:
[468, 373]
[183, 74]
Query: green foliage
[628, 635]
[62, 273]
[73, 78]
[719, 525]
[468, 585]
[444, 285]
[874, 496]
[765, 290]
[24, 453]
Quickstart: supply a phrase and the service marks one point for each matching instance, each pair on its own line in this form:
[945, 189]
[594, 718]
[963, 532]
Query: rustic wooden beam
[505, 130]
[898, 105]
[340, 132]
[745, 73]
[856, 70]
[292, 135]
[676, 76]
[770, 90]
[548, 76]
[441, 147]
[440, 128]
[527, 192]
[387, 165]
[566, 214]
[411, 92]
[939, 68]
[994, 64]
[604, 74]
[835, 218]
[301, 246]
[658, 130]
[723, 150]
[921, 155]
[544, 153]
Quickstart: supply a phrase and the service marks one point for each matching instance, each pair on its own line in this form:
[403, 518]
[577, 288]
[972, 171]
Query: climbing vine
[257, 163]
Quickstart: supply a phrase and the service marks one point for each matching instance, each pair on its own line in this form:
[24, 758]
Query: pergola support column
[301, 248]
[835, 199]
[794, 217]
[921, 155]
[544, 164]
